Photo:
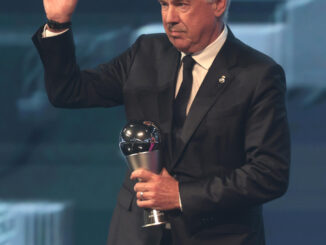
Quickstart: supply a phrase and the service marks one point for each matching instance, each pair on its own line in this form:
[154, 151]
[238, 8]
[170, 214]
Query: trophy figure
[140, 142]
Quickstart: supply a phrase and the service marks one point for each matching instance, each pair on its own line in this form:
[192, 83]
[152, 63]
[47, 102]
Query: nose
[171, 16]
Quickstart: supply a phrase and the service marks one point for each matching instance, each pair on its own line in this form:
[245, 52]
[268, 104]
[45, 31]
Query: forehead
[178, 1]
[189, 2]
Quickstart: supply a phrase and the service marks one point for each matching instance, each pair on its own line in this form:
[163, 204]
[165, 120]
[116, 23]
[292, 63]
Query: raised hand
[59, 10]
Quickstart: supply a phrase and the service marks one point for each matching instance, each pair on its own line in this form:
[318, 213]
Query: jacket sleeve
[68, 86]
[264, 176]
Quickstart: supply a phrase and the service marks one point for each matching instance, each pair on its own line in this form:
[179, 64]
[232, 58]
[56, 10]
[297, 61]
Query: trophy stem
[153, 217]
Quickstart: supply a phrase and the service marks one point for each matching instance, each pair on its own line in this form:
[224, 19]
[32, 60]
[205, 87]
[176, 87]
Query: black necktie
[182, 99]
[181, 102]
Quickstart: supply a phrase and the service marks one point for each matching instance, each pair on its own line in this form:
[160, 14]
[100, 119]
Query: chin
[180, 45]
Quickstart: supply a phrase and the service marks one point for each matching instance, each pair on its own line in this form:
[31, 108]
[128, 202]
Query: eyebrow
[174, 1]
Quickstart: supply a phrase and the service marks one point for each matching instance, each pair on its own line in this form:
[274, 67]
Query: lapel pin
[222, 79]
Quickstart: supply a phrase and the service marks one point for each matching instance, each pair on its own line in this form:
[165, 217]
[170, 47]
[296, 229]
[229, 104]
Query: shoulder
[255, 69]
[250, 61]
[154, 41]
[153, 48]
[153, 45]
[248, 56]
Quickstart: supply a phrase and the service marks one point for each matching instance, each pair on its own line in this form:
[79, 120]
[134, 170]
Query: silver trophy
[139, 142]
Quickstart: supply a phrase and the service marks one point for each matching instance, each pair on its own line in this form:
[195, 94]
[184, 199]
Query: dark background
[72, 155]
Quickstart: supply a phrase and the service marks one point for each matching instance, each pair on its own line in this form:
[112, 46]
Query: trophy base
[153, 217]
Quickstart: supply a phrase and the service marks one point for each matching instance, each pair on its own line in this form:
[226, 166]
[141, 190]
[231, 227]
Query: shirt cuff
[47, 33]
[180, 203]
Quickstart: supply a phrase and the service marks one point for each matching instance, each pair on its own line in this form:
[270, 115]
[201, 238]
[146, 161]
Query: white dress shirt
[204, 60]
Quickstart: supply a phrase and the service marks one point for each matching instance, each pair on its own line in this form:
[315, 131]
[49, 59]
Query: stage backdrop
[71, 158]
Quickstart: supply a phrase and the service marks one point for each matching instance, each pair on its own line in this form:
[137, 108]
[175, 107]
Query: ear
[219, 7]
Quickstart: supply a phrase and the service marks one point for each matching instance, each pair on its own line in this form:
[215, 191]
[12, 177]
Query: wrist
[55, 26]
[59, 18]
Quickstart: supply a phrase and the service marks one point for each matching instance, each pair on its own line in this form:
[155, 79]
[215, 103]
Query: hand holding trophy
[140, 142]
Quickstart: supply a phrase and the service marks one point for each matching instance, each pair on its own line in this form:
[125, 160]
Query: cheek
[163, 16]
[198, 30]
[191, 26]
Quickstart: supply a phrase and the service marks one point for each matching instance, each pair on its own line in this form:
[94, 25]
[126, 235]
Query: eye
[163, 4]
[182, 5]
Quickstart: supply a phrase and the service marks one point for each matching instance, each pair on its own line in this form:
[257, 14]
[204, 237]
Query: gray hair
[226, 12]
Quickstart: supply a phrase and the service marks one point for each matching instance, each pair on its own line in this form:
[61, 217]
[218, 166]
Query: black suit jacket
[235, 150]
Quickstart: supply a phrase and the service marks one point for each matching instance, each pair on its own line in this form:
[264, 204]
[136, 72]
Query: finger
[141, 186]
[145, 204]
[144, 195]
[142, 174]
[140, 195]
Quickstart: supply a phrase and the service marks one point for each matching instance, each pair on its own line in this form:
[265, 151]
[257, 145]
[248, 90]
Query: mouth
[175, 32]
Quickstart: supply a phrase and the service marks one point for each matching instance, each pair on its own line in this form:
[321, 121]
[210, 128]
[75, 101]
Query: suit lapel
[218, 77]
[154, 98]
[167, 82]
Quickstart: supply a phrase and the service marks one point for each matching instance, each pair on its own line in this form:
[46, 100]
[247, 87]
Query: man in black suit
[220, 106]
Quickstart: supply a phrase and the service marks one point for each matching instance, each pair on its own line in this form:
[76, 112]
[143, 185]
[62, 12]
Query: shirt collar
[206, 56]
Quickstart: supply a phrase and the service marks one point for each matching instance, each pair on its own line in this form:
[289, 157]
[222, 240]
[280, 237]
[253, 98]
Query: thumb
[165, 172]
